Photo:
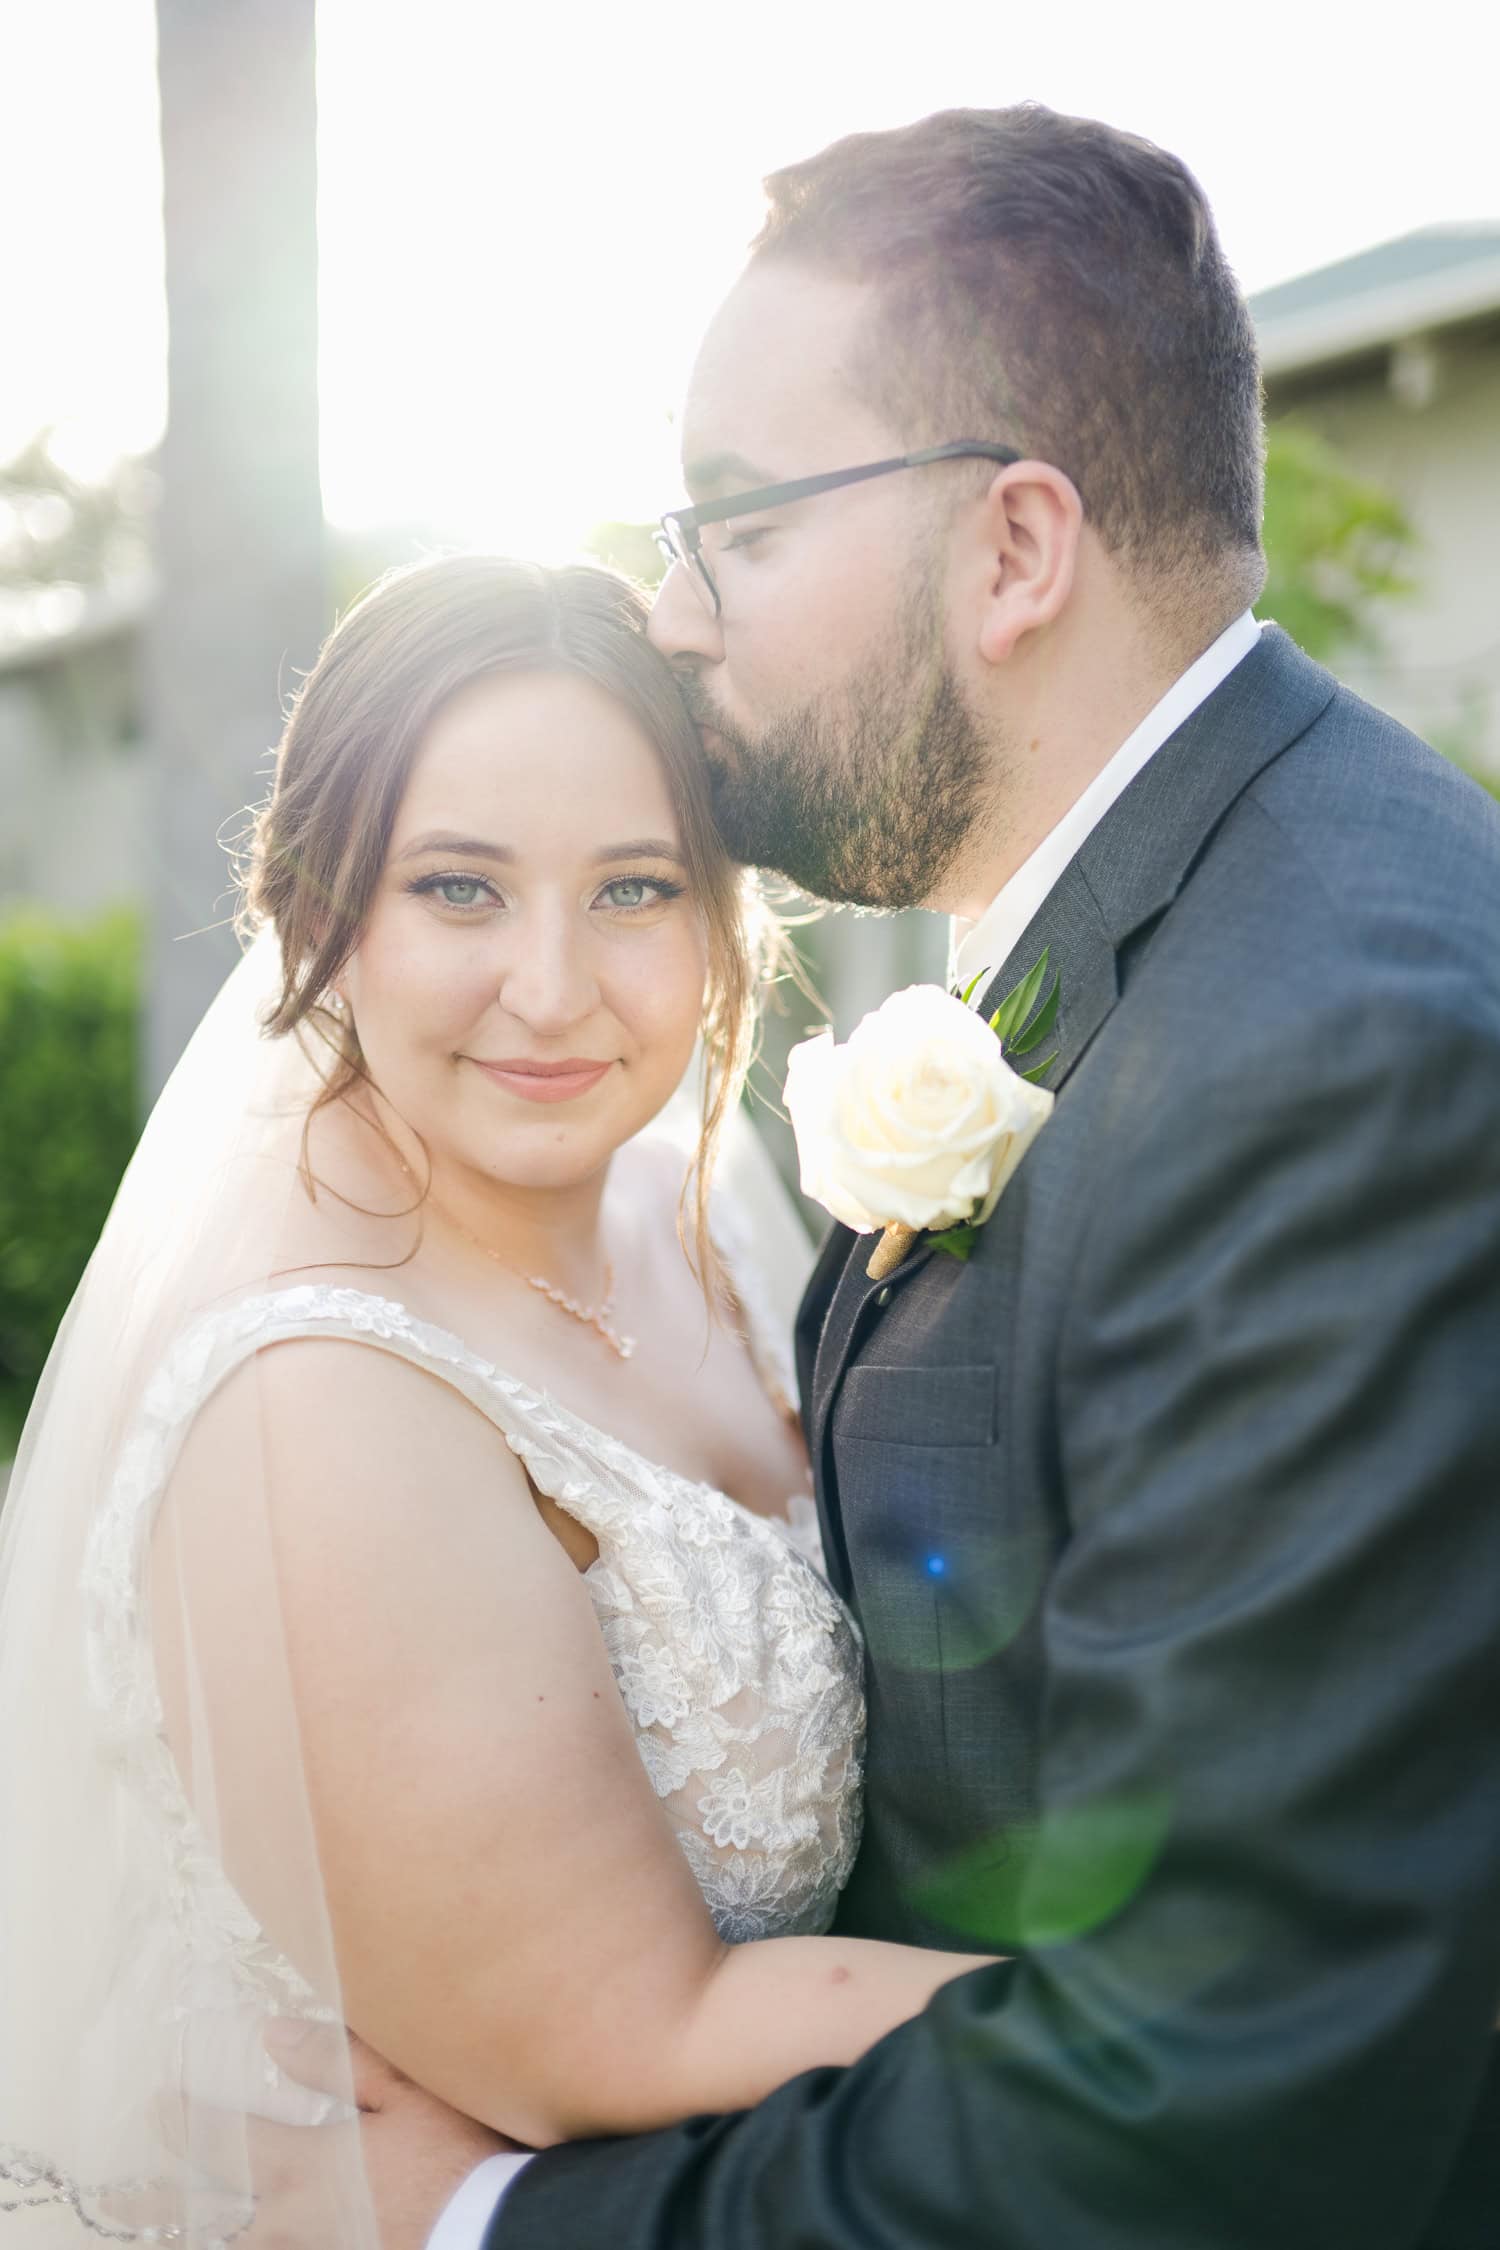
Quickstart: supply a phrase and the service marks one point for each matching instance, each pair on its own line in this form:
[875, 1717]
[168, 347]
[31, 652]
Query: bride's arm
[514, 1922]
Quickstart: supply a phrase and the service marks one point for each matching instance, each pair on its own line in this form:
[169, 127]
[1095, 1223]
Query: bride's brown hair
[318, 847]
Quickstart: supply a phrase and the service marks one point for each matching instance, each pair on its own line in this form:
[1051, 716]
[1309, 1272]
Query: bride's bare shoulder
[337, 1442]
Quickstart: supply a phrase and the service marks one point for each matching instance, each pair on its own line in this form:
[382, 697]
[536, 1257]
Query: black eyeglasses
[681, 535]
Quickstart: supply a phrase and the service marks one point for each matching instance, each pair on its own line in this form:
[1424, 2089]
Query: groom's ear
[1028, 527]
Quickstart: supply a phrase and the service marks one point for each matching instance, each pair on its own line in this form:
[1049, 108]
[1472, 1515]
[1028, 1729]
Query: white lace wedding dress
[739, 1668]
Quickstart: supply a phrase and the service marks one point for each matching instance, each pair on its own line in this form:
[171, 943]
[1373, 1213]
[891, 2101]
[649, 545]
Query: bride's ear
[336, 993]
[1022, 554]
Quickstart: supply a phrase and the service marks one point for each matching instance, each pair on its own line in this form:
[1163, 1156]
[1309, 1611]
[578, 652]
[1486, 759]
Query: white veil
[133, 1978]
[148, 1729]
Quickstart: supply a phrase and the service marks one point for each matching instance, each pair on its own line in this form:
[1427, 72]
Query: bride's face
[529, 983]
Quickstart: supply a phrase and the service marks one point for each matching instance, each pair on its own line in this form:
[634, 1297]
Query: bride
[404, 1617]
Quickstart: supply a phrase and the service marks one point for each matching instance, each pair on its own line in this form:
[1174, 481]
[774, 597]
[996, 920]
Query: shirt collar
[978, 948]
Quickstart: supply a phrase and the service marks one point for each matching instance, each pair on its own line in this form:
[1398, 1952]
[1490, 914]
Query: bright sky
[527, 213]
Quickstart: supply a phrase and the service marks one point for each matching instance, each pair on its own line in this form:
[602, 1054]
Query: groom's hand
[415, 2150]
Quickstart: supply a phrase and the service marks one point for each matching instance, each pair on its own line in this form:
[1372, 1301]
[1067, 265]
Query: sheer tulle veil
[148, 1727]
[130, 2060]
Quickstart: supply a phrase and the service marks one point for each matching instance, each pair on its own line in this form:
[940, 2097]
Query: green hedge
[69, 1013]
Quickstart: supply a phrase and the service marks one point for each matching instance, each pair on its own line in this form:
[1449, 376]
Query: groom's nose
[680, 622]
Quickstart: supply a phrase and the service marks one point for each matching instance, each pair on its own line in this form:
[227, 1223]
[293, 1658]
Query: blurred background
[293, 291]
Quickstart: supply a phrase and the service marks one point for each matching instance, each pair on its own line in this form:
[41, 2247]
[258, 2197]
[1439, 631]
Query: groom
[1172, 1517]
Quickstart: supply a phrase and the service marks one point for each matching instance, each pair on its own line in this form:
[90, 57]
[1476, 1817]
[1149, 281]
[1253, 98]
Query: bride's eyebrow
[475, 847]
[471, 847]
[642, 847]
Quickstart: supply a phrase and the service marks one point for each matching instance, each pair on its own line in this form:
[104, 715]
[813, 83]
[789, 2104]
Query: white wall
[72, 786]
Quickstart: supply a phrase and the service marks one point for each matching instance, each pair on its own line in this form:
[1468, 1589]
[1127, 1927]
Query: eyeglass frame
[679, 532]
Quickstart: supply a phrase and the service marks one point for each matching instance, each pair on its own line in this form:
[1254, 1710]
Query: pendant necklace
[599, 1317]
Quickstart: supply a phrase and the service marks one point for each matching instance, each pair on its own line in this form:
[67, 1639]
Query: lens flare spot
[1051, 1880]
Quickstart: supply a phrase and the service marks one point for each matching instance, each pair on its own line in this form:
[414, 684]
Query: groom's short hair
[1054, 283]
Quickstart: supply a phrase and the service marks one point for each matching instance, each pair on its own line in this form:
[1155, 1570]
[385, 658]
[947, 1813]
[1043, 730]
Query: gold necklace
[599, 1317]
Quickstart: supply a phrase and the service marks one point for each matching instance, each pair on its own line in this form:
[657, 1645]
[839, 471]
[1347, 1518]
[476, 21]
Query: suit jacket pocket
[928, 1406]
[917, 1464]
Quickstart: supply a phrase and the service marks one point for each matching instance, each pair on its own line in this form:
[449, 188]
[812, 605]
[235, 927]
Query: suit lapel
[1126, 874]
[1148, 843]
[853, 1291]
[1131, 868]
[812, 1313]
[1070, 929]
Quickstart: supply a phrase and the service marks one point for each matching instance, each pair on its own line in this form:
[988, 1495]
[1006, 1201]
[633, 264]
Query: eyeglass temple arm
[689, 520]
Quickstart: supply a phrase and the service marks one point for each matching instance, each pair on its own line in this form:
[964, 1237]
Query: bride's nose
[548, 980]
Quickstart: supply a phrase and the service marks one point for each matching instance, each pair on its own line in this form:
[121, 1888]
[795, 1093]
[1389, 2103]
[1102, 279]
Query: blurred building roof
[39, 624]
[1434, 278]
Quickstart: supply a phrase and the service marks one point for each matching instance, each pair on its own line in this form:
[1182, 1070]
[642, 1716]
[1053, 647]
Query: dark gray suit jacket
[1173, 1524]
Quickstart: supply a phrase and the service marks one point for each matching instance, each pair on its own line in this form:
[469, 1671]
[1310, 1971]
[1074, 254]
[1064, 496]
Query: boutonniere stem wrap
[917, 1123]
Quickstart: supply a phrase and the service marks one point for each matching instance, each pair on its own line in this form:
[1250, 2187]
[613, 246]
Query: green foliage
[1019, 1002]
[69, 1001]
[12, 1416]
[1011, 1016]
[1018, 1031]
[957, 1241]
[58, 528]
[1335, 545]
[630, 548]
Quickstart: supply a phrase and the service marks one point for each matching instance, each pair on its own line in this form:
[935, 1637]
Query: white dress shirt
[981, 945]
[987, 943]
[468, 2215]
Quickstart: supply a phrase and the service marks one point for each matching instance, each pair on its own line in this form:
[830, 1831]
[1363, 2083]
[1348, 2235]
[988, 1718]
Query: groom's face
[841, 746]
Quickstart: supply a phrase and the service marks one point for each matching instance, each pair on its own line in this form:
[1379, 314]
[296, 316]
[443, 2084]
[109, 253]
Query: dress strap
[210, 1351]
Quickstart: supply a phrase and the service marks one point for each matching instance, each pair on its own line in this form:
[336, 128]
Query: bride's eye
[631, 894]
[462, 892]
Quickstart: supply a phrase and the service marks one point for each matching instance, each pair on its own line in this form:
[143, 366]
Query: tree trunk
[242, 598]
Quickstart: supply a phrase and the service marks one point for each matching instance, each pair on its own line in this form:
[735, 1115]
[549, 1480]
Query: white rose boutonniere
[917, 1123]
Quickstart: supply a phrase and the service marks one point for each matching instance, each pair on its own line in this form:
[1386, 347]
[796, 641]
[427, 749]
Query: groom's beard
[863, 801]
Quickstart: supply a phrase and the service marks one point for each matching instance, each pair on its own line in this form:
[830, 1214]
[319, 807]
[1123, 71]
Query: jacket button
[884, 1297]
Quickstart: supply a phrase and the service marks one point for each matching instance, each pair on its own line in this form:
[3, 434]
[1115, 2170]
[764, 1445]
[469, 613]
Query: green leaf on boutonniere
[972, 986]
[1041, 1023]
[958, 1241]
[1038, 1071]
[1019, 1002]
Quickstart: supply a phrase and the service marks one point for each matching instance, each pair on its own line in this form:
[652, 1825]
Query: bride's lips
[545, 1082]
